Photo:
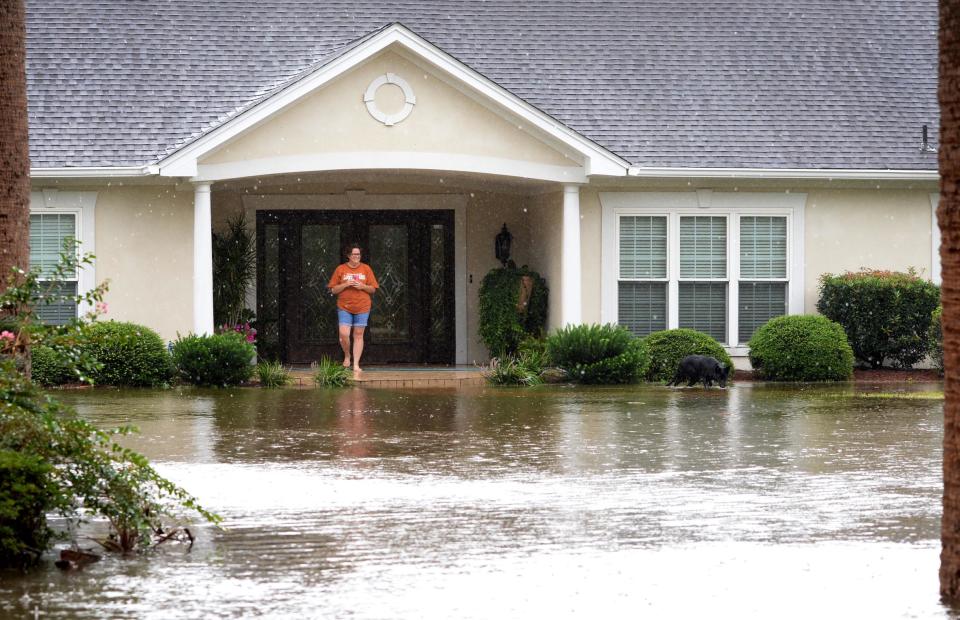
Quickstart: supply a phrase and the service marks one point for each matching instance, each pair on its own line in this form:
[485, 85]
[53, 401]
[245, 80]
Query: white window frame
[733, 205]
[82, 205]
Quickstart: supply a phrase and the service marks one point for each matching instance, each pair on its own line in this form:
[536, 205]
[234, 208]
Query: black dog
[703, 368]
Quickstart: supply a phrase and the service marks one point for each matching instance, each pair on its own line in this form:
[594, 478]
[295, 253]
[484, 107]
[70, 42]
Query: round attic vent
[370, 96]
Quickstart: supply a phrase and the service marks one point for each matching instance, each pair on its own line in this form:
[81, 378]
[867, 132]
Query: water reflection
[563, 502]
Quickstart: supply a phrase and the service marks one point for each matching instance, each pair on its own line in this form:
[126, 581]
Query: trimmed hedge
[48, 368]
[502, 326]
[669, 346]
[217, 360]
[801, 348]
[606, 354]
[886, 315]
[131, 354]
[935, 336]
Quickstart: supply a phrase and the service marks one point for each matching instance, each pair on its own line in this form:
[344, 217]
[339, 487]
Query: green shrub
[935, 336]
[53, 460]
[502, 325]
[330, 373]
[669, 346]
[598, 353]
[886, 315]
[801, 348]
[131, 354]
[26, 492]
[220, 359]
[49, 368]
[514, 371]
[272, 374]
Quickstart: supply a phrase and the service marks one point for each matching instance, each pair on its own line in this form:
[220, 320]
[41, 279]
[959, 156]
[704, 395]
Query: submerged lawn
[764, 500]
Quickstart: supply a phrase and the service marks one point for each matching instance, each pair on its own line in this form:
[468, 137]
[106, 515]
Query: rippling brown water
[756, 501]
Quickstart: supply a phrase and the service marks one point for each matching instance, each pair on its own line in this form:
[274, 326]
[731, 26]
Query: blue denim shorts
[353, 320]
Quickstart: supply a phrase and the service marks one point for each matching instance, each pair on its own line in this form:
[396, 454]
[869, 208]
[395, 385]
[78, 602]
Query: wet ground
[757, 501]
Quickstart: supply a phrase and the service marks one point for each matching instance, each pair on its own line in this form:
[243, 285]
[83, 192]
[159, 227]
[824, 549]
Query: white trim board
[597, 160]
[703, 202]
[83, 205]
[396, 160]
[382, 202]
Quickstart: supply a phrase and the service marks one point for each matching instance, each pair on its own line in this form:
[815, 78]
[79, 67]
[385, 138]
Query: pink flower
[5, 335]
[102, 307]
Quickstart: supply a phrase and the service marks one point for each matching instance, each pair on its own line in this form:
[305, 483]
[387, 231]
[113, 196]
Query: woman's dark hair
[349, 248]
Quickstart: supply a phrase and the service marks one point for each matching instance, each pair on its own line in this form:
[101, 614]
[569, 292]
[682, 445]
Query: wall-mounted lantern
[502, 245]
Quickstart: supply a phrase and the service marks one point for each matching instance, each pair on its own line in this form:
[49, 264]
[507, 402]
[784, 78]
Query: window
[702, 289]
[763, 272]
[722, 263]
[48, 233]
[642, 288]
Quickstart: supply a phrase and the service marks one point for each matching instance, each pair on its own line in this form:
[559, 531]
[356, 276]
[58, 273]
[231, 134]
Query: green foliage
[48, 367]
[520, 370]
[64, 464]
[217, 360]
[801, 348]
[886, 315]
[130, 354]
[606, 354]
[20, 328]
[935, 338]
[330, 373]
[234, 267]
[669, 346]
[272, 374]
[502, 325]
[26, 490]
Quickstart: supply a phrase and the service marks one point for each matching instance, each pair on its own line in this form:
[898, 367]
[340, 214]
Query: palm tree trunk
[948, 215]
[14, 151]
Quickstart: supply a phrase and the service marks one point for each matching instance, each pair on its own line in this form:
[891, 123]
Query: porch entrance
[410, 251]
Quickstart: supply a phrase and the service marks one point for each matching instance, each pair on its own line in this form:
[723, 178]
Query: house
[662, 164]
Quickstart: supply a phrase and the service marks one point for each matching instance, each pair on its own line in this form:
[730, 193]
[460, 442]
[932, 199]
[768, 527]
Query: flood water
[755, 501]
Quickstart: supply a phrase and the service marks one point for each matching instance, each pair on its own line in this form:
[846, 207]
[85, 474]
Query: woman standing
[353, 283]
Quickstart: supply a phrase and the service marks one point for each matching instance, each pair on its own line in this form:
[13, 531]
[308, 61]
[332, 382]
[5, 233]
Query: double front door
[411, 254]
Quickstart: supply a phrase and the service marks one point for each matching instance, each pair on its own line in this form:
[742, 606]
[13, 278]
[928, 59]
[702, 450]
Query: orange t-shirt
[353, 300]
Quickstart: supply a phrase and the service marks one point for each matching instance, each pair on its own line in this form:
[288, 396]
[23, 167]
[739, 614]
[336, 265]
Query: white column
[571, 299]
[202, 261]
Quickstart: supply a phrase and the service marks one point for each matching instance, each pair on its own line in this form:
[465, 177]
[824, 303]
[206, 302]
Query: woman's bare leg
[357, 347]
[345, 344]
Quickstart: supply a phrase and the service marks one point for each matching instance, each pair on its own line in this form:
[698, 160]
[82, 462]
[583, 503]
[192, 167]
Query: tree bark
[14, 150]
[948, 215]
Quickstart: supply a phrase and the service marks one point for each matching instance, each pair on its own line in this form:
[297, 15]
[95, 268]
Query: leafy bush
[272, 374]
[886, 315]
[330, 373]
[935, 336]
[52, 460]
[801, 348]
[26, 491]
[502, 325]
[131, 354]
[234, 268]
[220, 359]
[49, 367]
[514, 371]
[598, 353]
[669, 346]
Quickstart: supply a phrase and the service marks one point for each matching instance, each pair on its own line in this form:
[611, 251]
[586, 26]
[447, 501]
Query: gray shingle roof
[701, 83]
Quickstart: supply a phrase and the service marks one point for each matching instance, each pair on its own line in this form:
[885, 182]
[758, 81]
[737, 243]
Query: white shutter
[643, 247]
[763, 247]
[703, 247]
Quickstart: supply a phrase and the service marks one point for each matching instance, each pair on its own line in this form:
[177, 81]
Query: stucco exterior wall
[335, 120]
[850, 229]
[145, 250]
[546, 226]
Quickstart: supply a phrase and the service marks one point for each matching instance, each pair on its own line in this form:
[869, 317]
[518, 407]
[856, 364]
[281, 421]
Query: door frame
[358, 200]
